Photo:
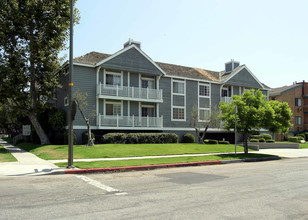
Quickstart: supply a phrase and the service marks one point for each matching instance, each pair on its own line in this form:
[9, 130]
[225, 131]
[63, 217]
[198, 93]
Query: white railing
[226, 99]
[130, 92]
[130, 121]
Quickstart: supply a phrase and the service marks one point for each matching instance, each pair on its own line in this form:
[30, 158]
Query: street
[261, 190]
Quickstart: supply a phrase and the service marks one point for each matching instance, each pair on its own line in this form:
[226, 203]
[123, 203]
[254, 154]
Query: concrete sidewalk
[28, 164]
[286, 153]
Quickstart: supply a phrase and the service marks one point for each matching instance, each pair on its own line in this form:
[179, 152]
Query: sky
[269, 36]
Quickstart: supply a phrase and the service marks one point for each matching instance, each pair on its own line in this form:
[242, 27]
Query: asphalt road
[262, 190]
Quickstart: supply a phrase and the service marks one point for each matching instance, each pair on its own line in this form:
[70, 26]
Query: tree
[210, 120]
[81, 101]
[254, 113]
[32, 33]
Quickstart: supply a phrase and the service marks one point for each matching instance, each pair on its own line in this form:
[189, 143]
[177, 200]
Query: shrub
[270, 141]
[254, 140]
[85, 137]
[62, 138]
[293, 139]
[139, 138]
[34, 137]
[300, 138]
[266, 136]
[255, 136]
[56, 119]
[210, 141]
[262, 140]
[188, 138]
[306, 136]
[301, 135]
[223, 142]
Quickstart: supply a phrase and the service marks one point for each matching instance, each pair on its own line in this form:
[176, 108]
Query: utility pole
[70, 88]
[235, 135]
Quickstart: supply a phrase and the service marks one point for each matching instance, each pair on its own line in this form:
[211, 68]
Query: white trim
[204, 97]
[147, 106]
[97, 92]
[112, 102]
[204, 84]
[128, 79]
[84, 65]
[184, 87]
[130, 98]
[209, 109]
[128, 107]
[178, 94]
[112, 73]
[178, 107]
[239, 70]
[147, 78]
[126, 49]
[191, 79]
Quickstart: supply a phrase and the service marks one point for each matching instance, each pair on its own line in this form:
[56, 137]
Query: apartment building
[296, 96]
[129, 92]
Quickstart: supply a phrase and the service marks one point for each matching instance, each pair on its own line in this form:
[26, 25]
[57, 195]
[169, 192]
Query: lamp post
[70, 88]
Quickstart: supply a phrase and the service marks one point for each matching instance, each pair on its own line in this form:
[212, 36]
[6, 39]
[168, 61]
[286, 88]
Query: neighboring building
[131, 93]
[296, 96]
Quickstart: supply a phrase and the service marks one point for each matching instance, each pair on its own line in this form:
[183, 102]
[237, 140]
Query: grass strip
[154, 161]
[5, 156]
[54, 152]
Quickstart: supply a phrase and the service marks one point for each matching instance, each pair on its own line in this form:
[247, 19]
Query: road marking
[101, 186]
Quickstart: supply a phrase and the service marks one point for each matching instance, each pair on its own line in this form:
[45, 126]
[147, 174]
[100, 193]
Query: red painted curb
[145, 167]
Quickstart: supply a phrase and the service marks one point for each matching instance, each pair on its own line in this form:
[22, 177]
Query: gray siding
[236, 90]
[204, 102]
[132, 60]
[244, 78]
[178, 100]
[134, 79]
[165, 107]
[134, 108]
[85, 82]
[215, 95]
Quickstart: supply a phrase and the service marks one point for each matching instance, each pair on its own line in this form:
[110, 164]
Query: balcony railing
[226, 99]
[130, 93]
[130, 121]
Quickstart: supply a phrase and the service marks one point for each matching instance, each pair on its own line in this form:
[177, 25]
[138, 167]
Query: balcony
[129, 93]
[226, 99]
[130, 121]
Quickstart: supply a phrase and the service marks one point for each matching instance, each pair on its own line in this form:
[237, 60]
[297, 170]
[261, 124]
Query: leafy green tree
[254, 113]
[32, 33]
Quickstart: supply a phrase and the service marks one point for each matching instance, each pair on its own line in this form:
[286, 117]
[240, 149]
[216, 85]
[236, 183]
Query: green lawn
[5, 156]
[139, 162]
[302, 146]
[53, 152]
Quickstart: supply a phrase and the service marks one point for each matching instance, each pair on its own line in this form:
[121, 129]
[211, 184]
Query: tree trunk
[90, 140]
[203, 135]
[38, 128]
[246, 142]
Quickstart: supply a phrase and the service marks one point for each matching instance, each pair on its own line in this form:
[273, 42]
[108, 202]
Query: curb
[150, 167]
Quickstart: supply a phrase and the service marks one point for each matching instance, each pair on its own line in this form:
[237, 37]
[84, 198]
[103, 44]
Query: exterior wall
[289, 97]
[244, 78]
[215, 95]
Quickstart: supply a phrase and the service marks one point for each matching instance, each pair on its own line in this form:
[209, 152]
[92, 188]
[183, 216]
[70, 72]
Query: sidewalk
[28, 164]
[286, 153]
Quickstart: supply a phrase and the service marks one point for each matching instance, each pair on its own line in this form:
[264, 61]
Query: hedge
[139, 138]
[262, 140]
[223, 142]
[270, 141]
[254, 140]
[188, 138]
[210, 141]
[257, 136]
[85, 137]
[266, 136]
[293, 139]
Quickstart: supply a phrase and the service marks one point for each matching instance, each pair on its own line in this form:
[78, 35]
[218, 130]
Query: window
[224, 92]
[113, 109]
[178, 113]
[66, 101]
[298, 120]
[204, 90]
[147, 111]
[204, 114]
[147, 83]
[178, 87]
[113, 79]
[298, 102]
[274, 98]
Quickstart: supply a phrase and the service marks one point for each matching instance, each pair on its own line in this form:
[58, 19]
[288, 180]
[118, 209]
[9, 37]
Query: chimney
[130, 42]
[230, 66]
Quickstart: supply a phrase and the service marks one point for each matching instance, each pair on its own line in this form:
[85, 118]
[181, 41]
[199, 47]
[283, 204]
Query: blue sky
[269, 36]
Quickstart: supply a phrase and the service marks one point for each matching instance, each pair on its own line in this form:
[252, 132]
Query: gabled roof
[283, 89]
[95, 59]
